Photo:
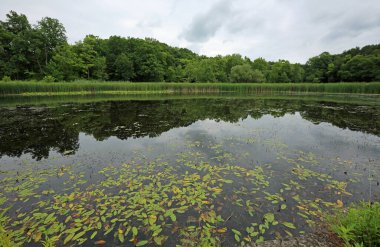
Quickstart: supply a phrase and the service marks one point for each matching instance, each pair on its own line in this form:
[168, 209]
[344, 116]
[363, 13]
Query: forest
[41, 52]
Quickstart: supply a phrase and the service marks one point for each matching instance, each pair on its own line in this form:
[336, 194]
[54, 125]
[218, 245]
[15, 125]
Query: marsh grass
[92, 92]
[22, 87]
[358, 225]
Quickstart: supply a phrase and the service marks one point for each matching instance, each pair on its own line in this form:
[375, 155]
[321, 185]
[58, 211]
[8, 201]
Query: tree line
[41, 52]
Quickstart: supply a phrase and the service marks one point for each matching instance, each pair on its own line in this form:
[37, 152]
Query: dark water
[198, 171]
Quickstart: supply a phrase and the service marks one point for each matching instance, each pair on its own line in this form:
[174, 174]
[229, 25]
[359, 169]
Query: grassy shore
[357, 225]
[33, 87]
[75, 93]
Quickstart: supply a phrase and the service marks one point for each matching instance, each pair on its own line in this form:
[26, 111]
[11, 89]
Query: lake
[191, 170]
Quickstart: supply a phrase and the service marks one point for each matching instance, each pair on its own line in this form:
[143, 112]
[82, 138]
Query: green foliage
[52, 34]
[317, 68]
[33, 51]
[6, 78]
[244, 73]
[15, 38]
[92, 65]
[352, 65]
[207, 70]
[284, 71]
[241, 73]
[5, 238]
[261, 65]
[358, 225]
[150, 200]
[22, 87]
[65, 64]
[361, 68]
[48, 78]
[258, 76]
[26, 49]
[231, 61]
[124, 67]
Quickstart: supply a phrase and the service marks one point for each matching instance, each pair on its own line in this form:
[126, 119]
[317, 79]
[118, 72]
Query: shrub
[6, 78]
[48, 78]
[241, 73]
[358, 225]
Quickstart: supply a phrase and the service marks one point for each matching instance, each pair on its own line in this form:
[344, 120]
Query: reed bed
[24, 87]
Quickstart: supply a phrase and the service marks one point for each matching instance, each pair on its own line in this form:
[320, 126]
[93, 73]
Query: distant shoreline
[38, 88]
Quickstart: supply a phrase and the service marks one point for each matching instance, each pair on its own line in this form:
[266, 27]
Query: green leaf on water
[289, 225]
[141, 243]
[80, 234]
[260, 240]
[283, 206]
[237, 235]
[121, 237]
[93, 235]
[68, 219]
[134, 231]
[49, 219]
[237, 238]
[68, 238]
[269, 217]
[236, 232]
[173, 217]
[289, 233]
[159, 240]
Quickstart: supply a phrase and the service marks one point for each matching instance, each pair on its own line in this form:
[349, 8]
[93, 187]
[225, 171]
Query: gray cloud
[352, 27]
[288, 29]
[204, 26]
[150, 23]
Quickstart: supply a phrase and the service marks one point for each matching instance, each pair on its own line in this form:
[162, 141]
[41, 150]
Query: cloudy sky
[289, 29]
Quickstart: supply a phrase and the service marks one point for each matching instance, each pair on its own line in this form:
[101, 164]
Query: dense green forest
[41, 52]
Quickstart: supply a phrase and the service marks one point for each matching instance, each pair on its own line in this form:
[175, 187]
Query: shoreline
[93, 87]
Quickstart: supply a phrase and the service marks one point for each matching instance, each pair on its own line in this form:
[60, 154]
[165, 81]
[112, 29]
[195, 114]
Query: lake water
[199, 171]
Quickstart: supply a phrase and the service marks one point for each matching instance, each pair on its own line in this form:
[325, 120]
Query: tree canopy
[33, 52]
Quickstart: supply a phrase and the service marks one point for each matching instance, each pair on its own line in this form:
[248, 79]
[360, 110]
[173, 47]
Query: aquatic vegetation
[358, 225]
[196, 172]
[20, 87]
[192, 201]
[106, 92]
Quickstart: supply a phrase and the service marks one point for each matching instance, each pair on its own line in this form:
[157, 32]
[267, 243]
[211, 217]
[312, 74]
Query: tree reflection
[37, 131]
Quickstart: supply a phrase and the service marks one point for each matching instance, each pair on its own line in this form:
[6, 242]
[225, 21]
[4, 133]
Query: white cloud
[273, 29]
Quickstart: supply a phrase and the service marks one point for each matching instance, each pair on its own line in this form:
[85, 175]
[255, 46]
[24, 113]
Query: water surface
[194, 171]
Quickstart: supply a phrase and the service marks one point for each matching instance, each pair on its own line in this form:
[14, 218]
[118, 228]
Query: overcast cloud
[274, 29]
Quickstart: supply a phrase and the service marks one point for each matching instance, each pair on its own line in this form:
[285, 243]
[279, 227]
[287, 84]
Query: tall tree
[245, 73]
[15, 42]
[65, 64]
[361, 68]
[53, 35]
[317, 67]
[93, 64]
[124, 67]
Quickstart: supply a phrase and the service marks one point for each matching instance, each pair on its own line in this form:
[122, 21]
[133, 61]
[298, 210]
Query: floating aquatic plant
[195, 200]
